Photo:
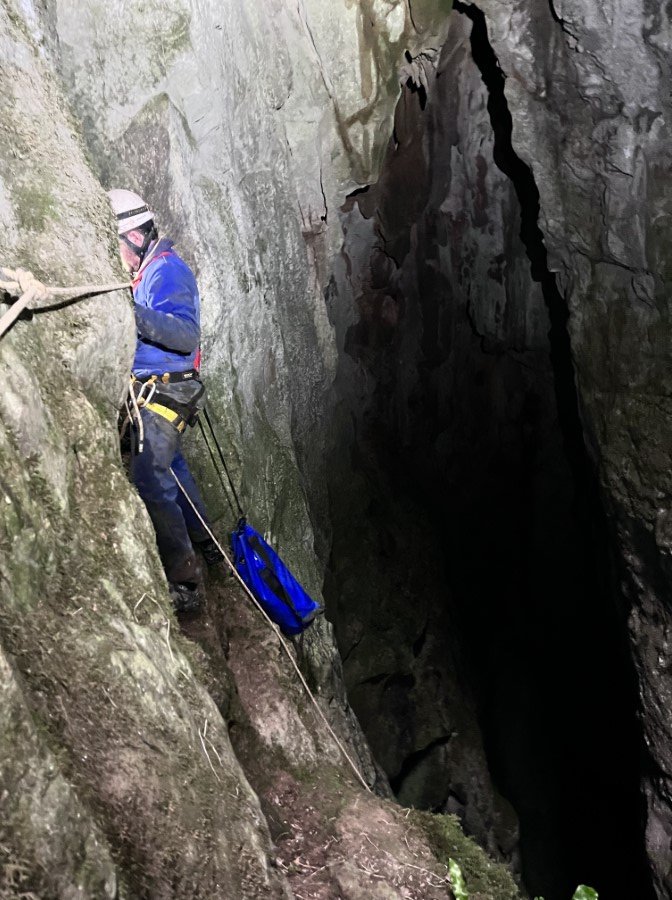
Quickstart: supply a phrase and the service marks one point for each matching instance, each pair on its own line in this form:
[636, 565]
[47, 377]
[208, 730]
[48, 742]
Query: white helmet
[130, 209]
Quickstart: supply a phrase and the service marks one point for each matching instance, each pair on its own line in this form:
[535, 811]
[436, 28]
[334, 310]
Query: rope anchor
[24, 286]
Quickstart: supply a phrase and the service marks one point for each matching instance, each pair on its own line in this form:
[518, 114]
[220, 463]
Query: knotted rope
[22, 284]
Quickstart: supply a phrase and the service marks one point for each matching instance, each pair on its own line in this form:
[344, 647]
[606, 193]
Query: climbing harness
[141, 394]
[175, 419]
[171, 377]
[275, 628]
[23, 285]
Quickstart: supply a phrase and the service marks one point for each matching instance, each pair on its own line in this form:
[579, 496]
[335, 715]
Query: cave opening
[470, 480]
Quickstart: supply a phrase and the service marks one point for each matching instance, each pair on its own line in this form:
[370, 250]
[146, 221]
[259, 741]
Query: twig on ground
[166, 622]
[137, 605]
[107, 694]
[207, 755]
[170, 649]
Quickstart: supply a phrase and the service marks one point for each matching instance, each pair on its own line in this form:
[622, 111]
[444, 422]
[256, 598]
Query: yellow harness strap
[170, 414]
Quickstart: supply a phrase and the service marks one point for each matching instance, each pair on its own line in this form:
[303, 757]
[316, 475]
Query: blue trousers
[175, 522]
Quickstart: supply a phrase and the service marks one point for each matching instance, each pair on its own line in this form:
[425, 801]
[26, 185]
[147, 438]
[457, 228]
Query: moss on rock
[485, 879]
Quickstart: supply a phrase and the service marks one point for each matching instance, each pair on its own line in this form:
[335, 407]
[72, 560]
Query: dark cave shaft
[484, 441]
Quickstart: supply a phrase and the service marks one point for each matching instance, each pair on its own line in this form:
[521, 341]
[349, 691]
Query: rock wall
[515, 397]
[412, 259]
[246, 126]
[127, 744]
[591, 113]
[106, 789]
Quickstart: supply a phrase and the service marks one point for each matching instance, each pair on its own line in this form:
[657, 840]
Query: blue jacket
[167, 314]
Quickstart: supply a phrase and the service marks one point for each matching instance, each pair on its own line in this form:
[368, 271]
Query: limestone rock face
[107, 789]
[123, 743]
[423, 305]
[500, 395]
[346, 344]
[245, 126]
[591, 116]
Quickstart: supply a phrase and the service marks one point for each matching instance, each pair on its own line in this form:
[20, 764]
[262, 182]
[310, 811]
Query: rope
[275, 628]
[22, 284]
[221, 456]
[216, 467]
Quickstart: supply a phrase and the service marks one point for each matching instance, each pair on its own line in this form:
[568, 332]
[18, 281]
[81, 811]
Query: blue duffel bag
[280, 595]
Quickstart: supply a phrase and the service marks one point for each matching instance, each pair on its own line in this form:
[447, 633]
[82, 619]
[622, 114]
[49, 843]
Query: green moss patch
[483, 877]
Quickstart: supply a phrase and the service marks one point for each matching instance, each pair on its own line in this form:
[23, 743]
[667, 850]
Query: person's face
[129, 259]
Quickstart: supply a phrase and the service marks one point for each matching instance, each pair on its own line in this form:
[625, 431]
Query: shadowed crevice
[593, 623]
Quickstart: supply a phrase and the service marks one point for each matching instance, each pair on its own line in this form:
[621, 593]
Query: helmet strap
[141, 251]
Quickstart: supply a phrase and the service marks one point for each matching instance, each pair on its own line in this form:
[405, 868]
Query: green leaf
[583, 892]
[457, 881]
